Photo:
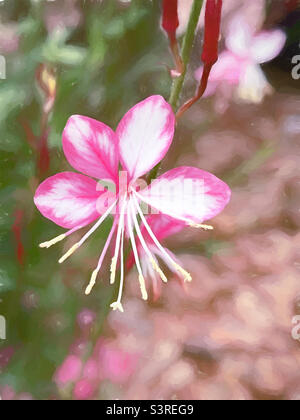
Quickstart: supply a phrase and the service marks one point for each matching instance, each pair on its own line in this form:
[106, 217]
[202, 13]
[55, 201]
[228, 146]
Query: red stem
[199, 92]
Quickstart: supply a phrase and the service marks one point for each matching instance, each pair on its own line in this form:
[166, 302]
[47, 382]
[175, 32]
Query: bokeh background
[228, 334]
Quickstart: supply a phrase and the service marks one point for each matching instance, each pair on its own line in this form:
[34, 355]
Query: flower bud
[170, 20]
[211, 31]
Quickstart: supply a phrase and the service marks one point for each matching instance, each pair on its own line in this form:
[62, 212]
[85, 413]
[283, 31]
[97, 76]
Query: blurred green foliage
[114, 57]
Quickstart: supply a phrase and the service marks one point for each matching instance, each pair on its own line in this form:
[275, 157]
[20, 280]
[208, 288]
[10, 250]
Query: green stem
[186, 51]
[185, 56]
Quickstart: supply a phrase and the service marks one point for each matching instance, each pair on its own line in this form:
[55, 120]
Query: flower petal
[187, 193]
[145, 135]
[163, 226]
[68, 199]
[91, 147]
[228, 68]
[267, 45]
[253, 85]
[239, 36]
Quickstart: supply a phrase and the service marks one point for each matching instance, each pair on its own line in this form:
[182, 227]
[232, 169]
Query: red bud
[170, 21]
[211, 31]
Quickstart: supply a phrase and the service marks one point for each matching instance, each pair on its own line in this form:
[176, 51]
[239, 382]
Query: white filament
[118, 242]
[136, 257]
[88, 234]
[102, 256]
[145, 246]
[186, 275]
[118, 305]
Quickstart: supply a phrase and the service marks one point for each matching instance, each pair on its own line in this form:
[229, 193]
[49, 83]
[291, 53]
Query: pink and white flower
[141, 140]
[239, 64]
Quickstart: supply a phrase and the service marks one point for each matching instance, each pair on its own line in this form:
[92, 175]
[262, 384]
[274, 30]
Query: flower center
[128, 208]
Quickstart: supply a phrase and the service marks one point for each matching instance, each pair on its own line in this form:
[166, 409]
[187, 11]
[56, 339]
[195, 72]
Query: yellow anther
[113, 269]
[143, 287]
[69, 253]
[53, 241]
[158, 270]
[92, 282]
[200, 226]
[117, 306]
[186, 276]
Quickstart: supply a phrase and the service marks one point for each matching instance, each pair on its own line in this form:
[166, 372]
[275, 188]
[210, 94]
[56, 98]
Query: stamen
[200, 226]
[88, 234]
[158, 270]
[186, 275]
[52, 241]
[143, 287]
[136, 257]
[150, 272]
[102, 256]
[92, 282]
[113, 268]
[118, 305]
[69, 253]
[144, 245]
[59, 238]
[114, 260]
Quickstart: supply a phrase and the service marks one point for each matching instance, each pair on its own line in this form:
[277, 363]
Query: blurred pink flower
[141, 140]
[115, 364]
[7, 393]
[79, 347]
[85, 319]
[91, 370]
[24, 396]
[5, 355]
[9, 38]
[62, 16]
[239, 64]
[69, 371]
[83, 390]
